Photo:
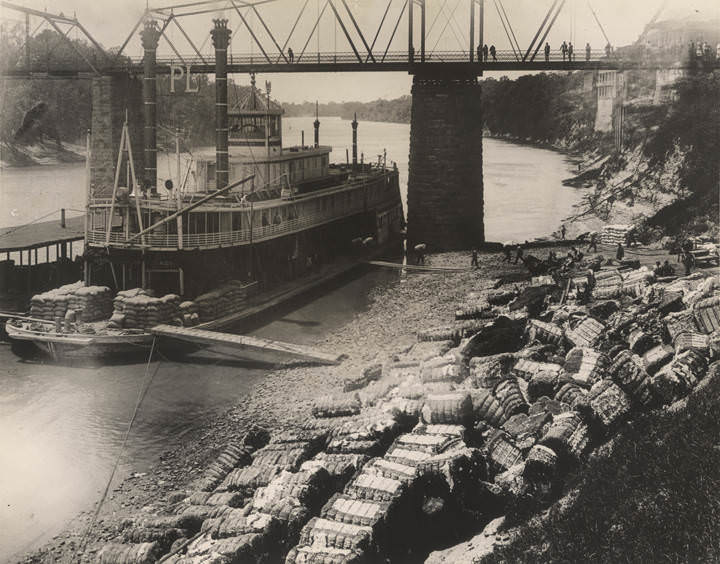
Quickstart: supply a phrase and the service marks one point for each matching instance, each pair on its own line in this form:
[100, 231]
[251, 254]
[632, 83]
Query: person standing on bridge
[608, 50]
[493, 53]
[564, 50]
[570, 52]
[547, 52]
[587, 51]
[291, 55]
[485, 52]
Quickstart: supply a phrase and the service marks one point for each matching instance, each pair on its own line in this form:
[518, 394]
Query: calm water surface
[61, 426]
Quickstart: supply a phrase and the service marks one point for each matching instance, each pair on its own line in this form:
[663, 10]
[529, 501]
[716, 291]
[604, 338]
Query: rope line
[19, 227]
[141, 396]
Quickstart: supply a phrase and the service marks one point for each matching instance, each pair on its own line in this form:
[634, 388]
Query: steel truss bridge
[414, 36]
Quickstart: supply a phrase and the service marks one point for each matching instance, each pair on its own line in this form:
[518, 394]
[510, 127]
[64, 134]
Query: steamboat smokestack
[150, 35]
[221, 40]
[316, 125]
[354, 127]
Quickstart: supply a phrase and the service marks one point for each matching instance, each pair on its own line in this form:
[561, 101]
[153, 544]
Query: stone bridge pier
[112, 97]
[445, 183]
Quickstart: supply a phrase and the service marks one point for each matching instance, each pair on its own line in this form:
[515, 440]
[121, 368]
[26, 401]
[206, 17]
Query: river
[61, 427]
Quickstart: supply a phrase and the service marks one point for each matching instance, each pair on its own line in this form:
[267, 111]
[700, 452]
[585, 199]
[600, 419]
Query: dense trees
[693, 124]
[396, 111]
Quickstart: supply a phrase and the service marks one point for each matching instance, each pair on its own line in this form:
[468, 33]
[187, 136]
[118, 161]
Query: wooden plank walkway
[246, 342]
[417, 267]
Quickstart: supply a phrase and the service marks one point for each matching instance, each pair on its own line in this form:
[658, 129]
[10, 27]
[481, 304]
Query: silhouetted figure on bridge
[570, 52]
[564, 50]
[547, 52]
[608, 50]
[485, 52]
[587, 51]
[291, 55]
[479, 53]
[493, 52]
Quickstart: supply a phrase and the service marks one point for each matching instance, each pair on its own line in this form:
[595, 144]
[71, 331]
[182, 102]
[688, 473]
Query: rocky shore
[514, 396]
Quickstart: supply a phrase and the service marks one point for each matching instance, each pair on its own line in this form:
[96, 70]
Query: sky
[447, 22]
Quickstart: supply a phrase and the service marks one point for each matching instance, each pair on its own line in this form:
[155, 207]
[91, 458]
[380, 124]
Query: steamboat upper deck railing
[212, 225]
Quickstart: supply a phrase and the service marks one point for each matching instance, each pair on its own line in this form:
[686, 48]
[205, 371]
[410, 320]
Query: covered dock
[38, 256]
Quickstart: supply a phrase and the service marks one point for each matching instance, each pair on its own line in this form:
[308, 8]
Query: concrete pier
[445, 184]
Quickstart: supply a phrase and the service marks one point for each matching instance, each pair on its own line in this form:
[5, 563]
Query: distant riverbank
[45, 153]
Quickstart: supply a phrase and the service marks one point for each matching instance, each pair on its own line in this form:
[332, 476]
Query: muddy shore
[285, 397]
[396, 314]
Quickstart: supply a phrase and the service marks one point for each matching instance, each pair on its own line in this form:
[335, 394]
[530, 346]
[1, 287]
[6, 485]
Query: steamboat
[277, 221]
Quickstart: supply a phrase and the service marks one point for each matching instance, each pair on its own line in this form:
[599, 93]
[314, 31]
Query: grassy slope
[655, 498]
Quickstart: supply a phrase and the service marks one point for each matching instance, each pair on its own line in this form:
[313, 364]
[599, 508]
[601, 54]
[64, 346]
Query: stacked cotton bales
[140, 310]
[224, 300]
[614, 234]
[91, 303]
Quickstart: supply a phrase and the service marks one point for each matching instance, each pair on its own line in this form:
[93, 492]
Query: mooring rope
[141, 396]
[19, 227]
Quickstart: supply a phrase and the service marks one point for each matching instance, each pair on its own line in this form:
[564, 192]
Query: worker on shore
[588, 51]
[688, 261]
[493, 53]
[508, 253]
[593, 243]
[620, 252]
[547, 52]
[667, 269]
[485, 53]
[518, 253]
[474, 260]
[563, 231]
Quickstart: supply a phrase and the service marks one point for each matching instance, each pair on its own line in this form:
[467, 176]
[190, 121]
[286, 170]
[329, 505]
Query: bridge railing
[392, 59]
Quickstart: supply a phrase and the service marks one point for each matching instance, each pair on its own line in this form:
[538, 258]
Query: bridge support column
[112, 97]
[221, 40]
[445, 184]
[150, 36]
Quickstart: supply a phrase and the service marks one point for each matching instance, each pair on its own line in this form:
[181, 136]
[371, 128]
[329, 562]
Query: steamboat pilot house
[294, 214]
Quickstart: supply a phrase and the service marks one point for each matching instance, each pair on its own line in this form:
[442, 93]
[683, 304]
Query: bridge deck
[448, 63]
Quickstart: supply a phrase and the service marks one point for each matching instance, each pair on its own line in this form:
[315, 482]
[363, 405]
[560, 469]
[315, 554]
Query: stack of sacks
[92, 303]
[189, 313]
[143, 311]
[53, 303]
[224, 300]
[614, 234]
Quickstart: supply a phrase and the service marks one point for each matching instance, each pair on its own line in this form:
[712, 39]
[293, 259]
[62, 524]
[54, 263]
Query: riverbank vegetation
[652, 497]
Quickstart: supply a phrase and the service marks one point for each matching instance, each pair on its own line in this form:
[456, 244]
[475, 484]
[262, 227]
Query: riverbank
[13, 155]
[285, 397]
